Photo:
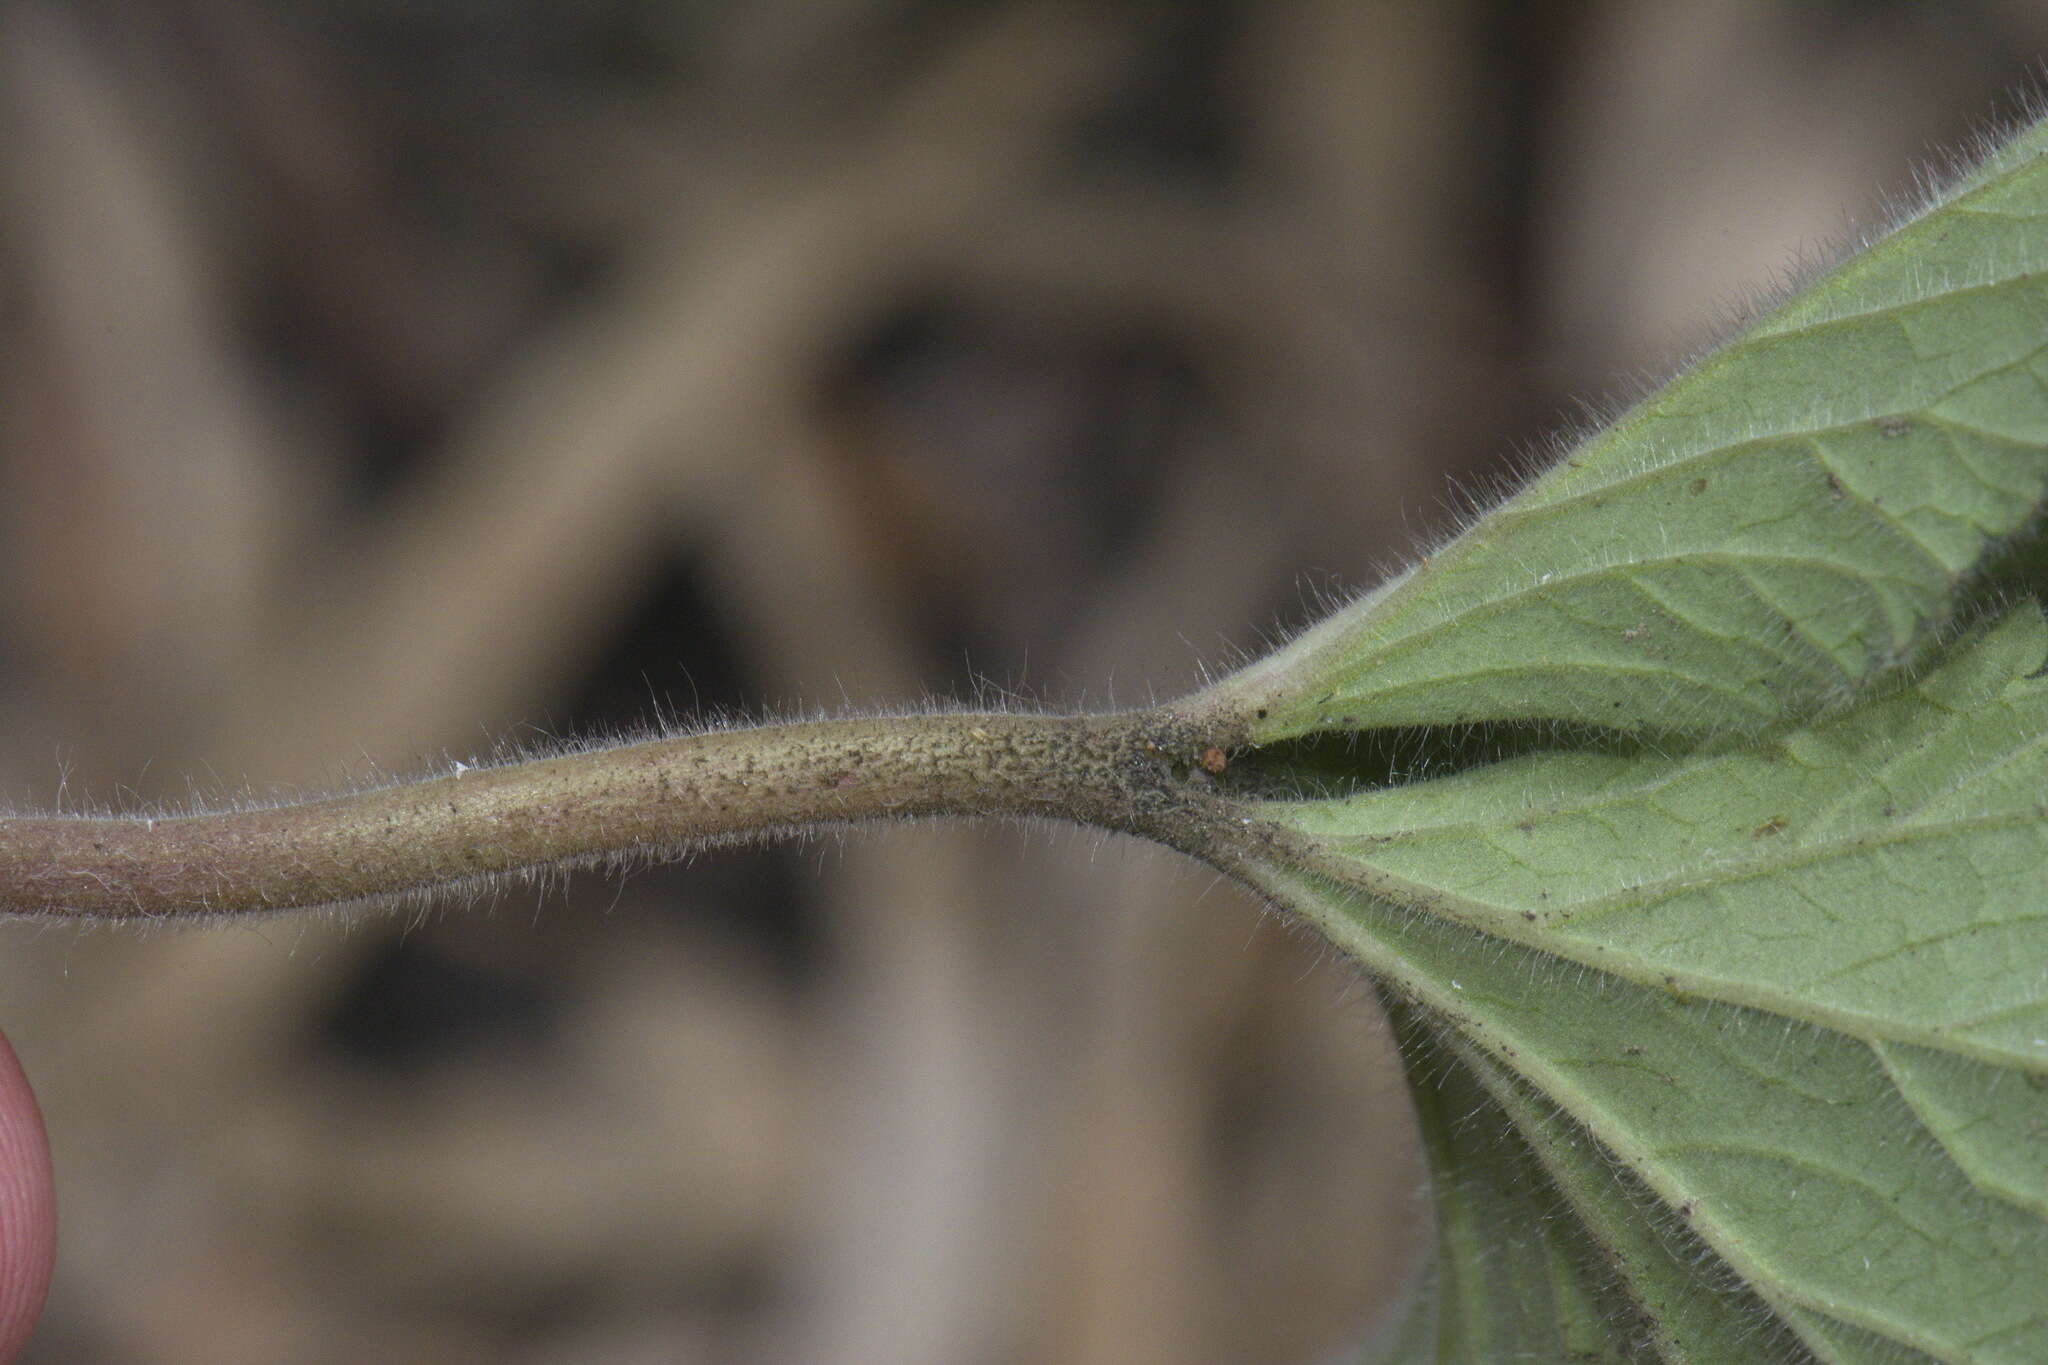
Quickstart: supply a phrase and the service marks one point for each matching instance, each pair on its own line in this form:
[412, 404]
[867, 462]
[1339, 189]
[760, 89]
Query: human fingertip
[28, 1208]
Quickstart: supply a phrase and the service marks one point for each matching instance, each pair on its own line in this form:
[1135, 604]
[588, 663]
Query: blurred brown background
[383, 379]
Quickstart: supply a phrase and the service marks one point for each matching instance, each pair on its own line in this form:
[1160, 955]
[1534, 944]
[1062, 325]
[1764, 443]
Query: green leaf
[1724, 958]
[1517, 1277]
[1545, 1253]
[1786, 1149]
[1795, 992]
[1788, 520]
[1880, 873]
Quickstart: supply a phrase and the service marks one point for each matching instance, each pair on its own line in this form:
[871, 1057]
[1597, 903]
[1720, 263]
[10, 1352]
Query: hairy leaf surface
[1544, 1221]
[1787, 1149]
[1518, 1276]
[1724, 967]
[1794, 990]
[1880, 873]
[1784, 522]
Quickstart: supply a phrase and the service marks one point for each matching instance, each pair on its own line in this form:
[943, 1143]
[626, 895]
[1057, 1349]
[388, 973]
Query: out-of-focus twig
[449, 614]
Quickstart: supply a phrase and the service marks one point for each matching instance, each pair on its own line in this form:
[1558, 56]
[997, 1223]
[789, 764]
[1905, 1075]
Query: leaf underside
[1782, 523]
[1727, 1011]
[1547, 1240]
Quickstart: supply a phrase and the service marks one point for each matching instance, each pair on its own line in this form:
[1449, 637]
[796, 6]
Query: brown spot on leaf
[1214, 760]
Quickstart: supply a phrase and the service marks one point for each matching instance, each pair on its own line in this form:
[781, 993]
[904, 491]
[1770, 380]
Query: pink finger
[28, 1208]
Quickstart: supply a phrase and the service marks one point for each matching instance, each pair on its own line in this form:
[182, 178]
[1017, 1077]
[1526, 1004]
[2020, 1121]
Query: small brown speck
[1774, 825]
[1699, 486]
[1894, 426]
[1632, 1050]
[1634, 633]
[1214, 760]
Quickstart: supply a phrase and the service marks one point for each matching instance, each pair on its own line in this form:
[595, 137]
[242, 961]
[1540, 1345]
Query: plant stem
[1135, 772]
